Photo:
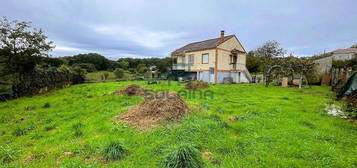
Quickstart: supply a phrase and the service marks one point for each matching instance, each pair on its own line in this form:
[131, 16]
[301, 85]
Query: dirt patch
[151, 112]
[131, 90]
[196, 85]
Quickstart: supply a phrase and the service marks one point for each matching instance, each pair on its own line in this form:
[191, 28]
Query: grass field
[97, 76]
[275, 127]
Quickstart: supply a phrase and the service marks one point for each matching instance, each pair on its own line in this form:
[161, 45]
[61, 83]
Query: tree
[268, 51]
[21, 49]
[254, 63]
[123, 64]
[119, 73]
[87, 66]
[99, 61]
[354, 46]
[141, 68]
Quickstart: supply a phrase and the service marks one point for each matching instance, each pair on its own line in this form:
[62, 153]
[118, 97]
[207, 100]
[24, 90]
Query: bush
[105, 76]
[87, 66]
[119, 73]
[183, 156]
[115, 151]
[78, 75]
[42, 80]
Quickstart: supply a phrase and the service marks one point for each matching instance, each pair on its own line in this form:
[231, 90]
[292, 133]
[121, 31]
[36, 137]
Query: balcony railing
[181, 66]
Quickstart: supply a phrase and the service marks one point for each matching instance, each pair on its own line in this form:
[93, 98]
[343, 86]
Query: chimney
[222, 35]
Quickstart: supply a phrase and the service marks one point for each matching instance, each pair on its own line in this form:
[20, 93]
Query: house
[324, 64]
[214, 60]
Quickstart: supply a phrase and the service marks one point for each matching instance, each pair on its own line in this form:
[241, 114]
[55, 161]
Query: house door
[211, 75]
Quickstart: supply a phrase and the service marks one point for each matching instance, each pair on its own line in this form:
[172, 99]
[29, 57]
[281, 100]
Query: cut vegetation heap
[151, 112]
[197, 85]
[131, 90]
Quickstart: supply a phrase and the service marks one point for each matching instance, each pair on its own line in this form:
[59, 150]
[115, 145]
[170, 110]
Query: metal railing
[181, 66]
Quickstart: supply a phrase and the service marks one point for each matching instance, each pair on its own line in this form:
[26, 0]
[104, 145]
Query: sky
[142, 28]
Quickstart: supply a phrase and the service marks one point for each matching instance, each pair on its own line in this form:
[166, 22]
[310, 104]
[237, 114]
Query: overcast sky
[143, 28]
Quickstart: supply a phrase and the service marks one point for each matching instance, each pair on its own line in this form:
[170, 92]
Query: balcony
[181, 66]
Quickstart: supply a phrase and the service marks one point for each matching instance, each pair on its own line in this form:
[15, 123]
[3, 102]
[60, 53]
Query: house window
[184, 59]
[205, 58]
[233, 59]
[175, 60]
[191, 59]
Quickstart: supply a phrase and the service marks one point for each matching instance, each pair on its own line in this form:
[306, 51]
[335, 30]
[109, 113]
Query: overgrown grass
[183, 156]
[272, 127]
[115, 151]
[97, 76]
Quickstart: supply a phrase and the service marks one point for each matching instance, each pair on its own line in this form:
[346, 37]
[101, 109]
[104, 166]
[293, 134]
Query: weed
[78, 133]
[7, 154]
[115, 151]
[183, 156]
[50, 127]
[29, 108]
[125, 104]
[19, 131]
[46, 105]
[78, 126]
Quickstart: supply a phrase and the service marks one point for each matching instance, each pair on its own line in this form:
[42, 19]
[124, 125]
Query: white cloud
[60, 48]
[142, 37]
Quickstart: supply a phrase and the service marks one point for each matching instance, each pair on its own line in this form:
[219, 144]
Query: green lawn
[275, 127]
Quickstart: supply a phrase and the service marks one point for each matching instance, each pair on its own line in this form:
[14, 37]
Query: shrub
[78, 75]
[87, 66]
[183, 156]
[115, 151]
[119, 73]
[7, 154]
[105, 76]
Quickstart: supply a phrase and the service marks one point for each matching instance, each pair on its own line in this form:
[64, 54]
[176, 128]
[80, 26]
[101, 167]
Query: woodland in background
[27, 69]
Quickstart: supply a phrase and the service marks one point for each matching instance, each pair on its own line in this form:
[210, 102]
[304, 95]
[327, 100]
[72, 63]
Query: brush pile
[131, 90]
[196, 85]
[151, 112]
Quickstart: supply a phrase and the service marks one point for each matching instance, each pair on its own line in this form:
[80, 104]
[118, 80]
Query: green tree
[119, 73]
[123, 64]
[268, 51]
[141, 68]
[99, 61]
[254, 63]
[21, 49]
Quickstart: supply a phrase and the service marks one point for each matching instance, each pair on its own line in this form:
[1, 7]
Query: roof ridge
[204, 44]
[209, 39]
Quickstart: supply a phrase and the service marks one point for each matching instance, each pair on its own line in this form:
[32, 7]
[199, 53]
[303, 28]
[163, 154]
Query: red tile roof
[206, 44]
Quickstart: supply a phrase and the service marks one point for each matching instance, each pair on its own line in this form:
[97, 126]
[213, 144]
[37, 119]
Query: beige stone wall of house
[231, 44]
[223, 60]
[197, 64]
[224, 52]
